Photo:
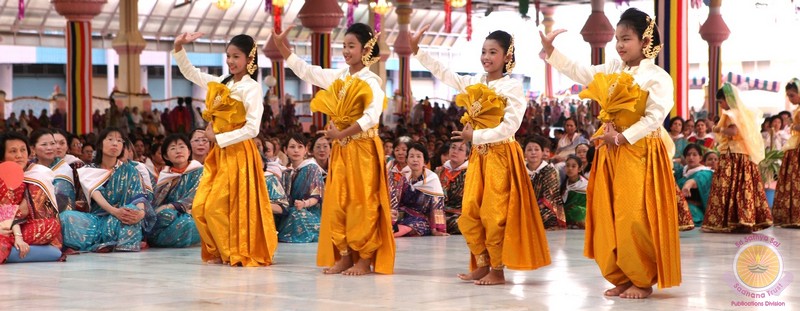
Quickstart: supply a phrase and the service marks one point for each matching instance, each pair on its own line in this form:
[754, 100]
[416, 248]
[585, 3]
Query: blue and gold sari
[301, 225]
[97, 229]
[174, 194]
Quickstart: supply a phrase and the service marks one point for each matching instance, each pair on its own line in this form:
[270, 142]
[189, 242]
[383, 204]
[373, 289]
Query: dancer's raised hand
[186, 37]
[280, 39]
[414, 40]
[547, 40]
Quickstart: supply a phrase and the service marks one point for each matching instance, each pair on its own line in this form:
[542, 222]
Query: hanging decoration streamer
[448, 23]
[351, 10]
[276, 14]
[21, 12]
[523, 7]
[378, 17]
[267, 6]
[469, 20]
[536, 5]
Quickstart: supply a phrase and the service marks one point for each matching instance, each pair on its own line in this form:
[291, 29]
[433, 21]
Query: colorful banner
[79, 77]
[672, 21]
[405, 83]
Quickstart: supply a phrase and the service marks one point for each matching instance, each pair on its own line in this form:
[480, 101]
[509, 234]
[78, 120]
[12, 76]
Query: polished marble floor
[174, 279]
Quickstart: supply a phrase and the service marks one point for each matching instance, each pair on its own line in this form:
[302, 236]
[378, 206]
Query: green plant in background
[770, 166]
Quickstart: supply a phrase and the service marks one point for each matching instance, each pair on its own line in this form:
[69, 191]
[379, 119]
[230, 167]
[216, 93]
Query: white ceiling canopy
[160, 21]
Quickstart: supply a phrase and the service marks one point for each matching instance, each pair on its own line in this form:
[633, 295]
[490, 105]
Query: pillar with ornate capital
[379, 68]
[547, 21]
[714, 31]
[672, 20]
[598, 31]
[278, 69]
[321, 16]
[79, 14]
[403, 50]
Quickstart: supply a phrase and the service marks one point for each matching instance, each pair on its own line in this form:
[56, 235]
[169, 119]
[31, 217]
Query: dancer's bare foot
[475, 275]
[362, 267]
[619, 289]
[344, 263]
[215, 261]
[495, 277]
[637, 293]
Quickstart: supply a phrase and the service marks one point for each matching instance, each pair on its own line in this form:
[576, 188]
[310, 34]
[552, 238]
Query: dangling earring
[510, 53]
[251, 66]
[510, 66]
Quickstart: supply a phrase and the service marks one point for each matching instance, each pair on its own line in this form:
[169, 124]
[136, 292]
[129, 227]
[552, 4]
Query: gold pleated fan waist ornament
[621, 100]
[225, 112]
[485, 109]
[344, 101]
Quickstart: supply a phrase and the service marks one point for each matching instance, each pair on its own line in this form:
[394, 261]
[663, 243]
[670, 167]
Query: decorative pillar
[403, 50]
[672, 19]
[548, 22]
[278, 70]
[111, 79]
[6, 86]
[714, 31]
[79, 14]
[168, 76]
[379, 68]
[321, 17]
[129, 44]
[598, 31]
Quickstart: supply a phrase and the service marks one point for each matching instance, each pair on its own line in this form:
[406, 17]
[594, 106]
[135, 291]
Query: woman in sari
[356, 228]
[626, 212]
[545, 181]
[231, 207]
[174, 194]
[320, 149]
[67, 184]
[417, 198]
[701, 135]
[786, 208]
[304, 184]
[273, 177]
[501, 221]
[737, 202]
[676, 133]
[117, 202]
[44, 153]
[399, 156]
[452, 175]
[694, 182]
[571, 139]
[200, 145]
[29, 226]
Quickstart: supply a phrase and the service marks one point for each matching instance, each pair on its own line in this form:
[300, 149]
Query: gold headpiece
[650, 51]
[367, 59]
[251, 65]
[510, 65]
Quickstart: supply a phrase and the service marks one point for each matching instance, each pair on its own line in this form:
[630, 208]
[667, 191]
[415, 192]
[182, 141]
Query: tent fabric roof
[160, 21]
